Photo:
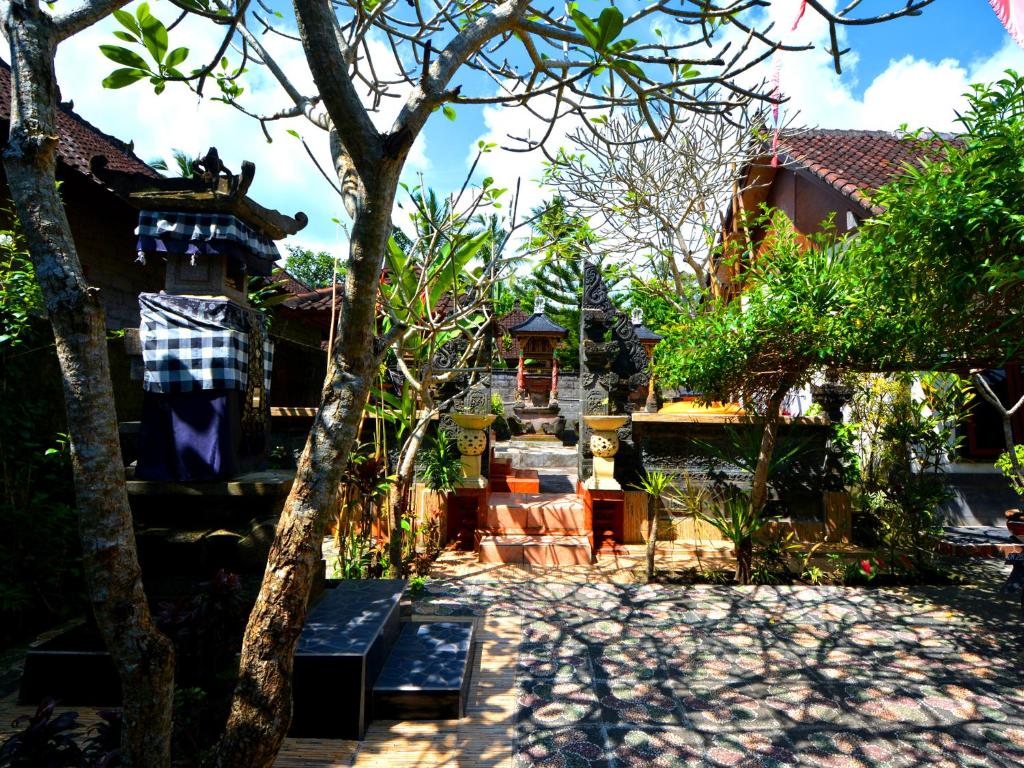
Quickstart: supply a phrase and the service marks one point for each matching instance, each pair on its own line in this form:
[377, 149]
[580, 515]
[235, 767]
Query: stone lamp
[604, 444]
[471, 440]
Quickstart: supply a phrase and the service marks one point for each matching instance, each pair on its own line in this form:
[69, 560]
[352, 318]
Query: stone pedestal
[471, 440]
[604, 444]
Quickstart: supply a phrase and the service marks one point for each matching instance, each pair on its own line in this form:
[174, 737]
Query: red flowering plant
[860, 571]
[868, 569]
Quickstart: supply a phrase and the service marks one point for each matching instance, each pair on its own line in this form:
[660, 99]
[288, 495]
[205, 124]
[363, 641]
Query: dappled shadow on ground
[621, 675]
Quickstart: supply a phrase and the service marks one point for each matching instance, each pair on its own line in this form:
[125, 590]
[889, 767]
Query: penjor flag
[1011, 13]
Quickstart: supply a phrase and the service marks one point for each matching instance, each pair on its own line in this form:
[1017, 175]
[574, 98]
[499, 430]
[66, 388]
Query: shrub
[1005, 465]
[739, 523]
[442, 469]
[40, 572]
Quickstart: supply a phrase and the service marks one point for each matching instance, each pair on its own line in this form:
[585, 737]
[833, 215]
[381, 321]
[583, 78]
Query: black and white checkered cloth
[191, 343]
[199, 226]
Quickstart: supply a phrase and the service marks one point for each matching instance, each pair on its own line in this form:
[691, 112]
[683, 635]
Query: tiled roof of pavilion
[316, 300]
[80, 140]
[538, 323]
[854, 162]
[643, 333]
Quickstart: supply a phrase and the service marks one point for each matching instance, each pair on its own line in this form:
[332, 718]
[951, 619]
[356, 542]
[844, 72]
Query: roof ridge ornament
[538, 305]
[211, 188]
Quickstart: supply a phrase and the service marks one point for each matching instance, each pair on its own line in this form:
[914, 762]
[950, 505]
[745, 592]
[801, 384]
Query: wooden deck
[482, 739]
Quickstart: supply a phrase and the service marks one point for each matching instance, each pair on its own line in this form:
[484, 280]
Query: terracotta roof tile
[288, 283]
[318, 300]
[856, 163]
[80, 140]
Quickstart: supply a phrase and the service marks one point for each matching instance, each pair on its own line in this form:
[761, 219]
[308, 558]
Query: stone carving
[604, 444]
[477, 400]
[471, 442]
[612, 364]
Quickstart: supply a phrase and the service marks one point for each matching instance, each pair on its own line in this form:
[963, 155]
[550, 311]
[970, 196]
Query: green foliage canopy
[932, 283]
[800, 310]
[314, 268]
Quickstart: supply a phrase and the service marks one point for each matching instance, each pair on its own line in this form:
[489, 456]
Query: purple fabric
[189, 436]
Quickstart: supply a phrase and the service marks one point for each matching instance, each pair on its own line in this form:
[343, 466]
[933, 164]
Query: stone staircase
[536, 529]
[534, 514]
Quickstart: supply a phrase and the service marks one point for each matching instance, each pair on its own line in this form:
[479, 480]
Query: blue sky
[908, 70]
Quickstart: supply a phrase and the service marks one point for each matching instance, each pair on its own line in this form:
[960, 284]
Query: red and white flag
[776, 97]
[1011, 13]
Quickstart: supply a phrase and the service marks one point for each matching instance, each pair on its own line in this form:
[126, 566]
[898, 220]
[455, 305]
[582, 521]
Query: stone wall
[104, 230]
[691, 449]
[503, 384]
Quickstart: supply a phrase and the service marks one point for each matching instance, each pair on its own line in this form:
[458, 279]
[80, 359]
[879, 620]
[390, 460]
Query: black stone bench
[426, 677]
[72, 667]
[344, 644]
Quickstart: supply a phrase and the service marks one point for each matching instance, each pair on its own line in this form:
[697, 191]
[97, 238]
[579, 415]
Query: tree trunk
[262, 705]
[759, 484]
[142, 655]
[744, 560]
[653, 502]
[1006, 415]
[404, 482]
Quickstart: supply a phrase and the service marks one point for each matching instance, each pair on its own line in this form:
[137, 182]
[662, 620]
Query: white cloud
[508, 127]
[911, 90]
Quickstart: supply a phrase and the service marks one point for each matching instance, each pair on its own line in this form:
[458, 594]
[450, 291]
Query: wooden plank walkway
[482, 739]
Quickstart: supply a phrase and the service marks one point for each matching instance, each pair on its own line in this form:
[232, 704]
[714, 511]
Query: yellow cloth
[692, 406]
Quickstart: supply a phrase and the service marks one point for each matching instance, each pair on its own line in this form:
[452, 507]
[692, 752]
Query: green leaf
[449, 112]
[609, 25]
[621, 46]
[294, 133]
[124, 36]
[585, 25]
[123, 56]
[154, 36]
[119, 78]
[175, 57]
[128, 22]
[142, 11]
[628, 67]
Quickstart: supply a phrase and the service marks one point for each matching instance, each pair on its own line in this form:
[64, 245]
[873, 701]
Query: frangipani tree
[430, 55]
[657, 207]
[437, 290]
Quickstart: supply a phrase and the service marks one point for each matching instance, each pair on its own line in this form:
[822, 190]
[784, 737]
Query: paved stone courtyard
[622, 675]
[575, 671]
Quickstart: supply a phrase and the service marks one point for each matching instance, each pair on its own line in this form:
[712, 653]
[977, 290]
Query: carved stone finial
[637, 316]
[538, 305]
